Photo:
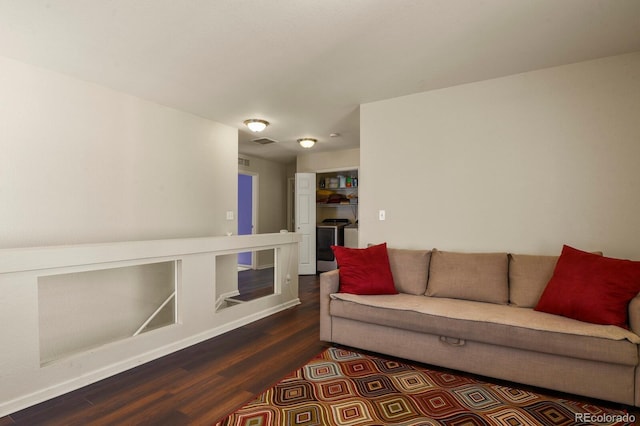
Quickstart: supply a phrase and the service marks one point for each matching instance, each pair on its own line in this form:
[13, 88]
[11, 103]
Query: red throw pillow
[364, 271]
[591, 288]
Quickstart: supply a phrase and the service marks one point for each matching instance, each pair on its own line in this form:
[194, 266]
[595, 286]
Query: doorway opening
[247, 214]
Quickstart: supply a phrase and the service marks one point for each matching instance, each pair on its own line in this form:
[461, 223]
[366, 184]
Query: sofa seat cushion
[503, 325]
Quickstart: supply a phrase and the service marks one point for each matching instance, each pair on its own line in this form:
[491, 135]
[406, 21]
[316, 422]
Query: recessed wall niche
[83, 310]
[249, 283]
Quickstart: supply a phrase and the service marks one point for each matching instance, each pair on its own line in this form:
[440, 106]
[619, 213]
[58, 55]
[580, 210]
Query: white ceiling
[306, 65]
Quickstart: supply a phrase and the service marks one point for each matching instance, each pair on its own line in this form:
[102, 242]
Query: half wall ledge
[72, 315]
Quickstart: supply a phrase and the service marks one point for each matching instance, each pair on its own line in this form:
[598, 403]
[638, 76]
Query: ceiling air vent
[264, 141]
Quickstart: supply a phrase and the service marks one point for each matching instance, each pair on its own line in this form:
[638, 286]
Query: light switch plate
[382, 215]
[230, 215]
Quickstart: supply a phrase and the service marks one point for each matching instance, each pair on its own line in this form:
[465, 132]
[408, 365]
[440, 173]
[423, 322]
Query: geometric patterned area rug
[341, 387]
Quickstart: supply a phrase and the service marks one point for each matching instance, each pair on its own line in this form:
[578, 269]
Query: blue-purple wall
[245, 212]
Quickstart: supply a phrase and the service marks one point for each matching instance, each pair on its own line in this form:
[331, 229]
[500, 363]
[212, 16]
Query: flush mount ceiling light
[307, 142]
[256, 124]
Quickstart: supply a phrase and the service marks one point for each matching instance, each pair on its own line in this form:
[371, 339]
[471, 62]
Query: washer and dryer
[330, 232]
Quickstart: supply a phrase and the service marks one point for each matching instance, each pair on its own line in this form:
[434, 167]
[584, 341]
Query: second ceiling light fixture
[307, 142]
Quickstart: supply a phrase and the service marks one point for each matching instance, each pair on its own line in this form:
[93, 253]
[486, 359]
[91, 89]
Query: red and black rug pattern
[342, 387]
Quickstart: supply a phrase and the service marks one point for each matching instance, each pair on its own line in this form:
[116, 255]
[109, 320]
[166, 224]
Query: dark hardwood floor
[197, 385]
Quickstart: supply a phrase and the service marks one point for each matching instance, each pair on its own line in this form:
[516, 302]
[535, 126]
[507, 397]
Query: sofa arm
[634, 314]
[329, 284]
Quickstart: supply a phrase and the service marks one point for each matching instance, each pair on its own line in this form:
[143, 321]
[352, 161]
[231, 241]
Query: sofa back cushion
[528, 276]
[410, 269]
[482, 277]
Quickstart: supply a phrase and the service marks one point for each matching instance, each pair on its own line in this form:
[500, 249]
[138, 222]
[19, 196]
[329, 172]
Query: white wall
[272, 192]
[345, 159]
[82, 163]
[522, 163]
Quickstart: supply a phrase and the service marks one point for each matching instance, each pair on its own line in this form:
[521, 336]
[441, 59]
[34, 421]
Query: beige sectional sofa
[474, 312]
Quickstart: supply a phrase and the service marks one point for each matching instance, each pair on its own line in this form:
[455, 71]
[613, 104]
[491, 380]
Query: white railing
[33, 281]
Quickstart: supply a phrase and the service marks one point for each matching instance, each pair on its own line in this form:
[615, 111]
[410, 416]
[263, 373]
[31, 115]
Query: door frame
[291, 205]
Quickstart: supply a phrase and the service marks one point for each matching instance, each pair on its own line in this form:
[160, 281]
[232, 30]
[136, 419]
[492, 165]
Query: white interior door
[306, 221]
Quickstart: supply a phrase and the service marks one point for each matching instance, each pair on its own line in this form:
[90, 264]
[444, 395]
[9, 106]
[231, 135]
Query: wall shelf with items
[337, 195]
